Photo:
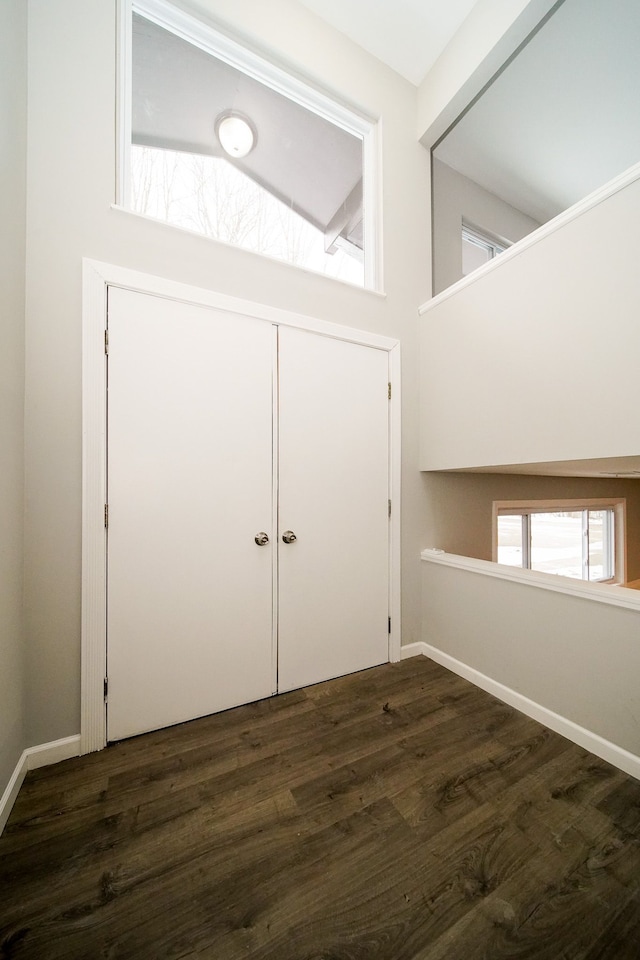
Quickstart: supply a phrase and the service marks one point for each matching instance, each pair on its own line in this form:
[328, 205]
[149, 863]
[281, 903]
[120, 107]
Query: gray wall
[458, 515]
[489, 35]
[456, 198]
[13, 92]
[480, 408]
[72, 99]
[576, 657]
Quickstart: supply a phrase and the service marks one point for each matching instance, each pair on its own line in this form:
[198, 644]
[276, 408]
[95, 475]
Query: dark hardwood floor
[397, 814]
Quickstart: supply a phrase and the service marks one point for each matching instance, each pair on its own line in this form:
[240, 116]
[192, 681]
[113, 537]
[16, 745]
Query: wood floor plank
[529, 919]
[395, 814]
[619, 939]
[87, 790]
[622, 805]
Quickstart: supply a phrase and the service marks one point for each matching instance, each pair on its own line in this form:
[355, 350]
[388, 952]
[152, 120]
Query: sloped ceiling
[407, 35]
[562, 119]
[559, 122]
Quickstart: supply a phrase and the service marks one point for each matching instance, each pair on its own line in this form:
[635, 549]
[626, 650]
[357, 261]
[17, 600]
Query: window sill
[613, 594]
[163, 225]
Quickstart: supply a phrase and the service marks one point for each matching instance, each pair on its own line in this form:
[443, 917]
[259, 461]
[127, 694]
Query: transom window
[579, 539]
[220, 142]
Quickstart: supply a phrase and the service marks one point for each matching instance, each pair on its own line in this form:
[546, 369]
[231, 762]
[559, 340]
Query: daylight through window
[580, 540]
[224, 144]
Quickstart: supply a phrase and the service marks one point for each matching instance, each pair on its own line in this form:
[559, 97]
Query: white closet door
[189, 486]
[333, 495]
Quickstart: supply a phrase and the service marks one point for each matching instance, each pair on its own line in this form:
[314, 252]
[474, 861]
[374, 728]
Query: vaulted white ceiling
[407, 35]
[563, 118]
[560, 121]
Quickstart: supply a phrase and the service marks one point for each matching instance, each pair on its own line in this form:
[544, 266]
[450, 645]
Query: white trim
[568, 216]
[94, 497]
[605, 749]
[213, 41]
[12, 790]
[97, 277]
[613, 594]
[32, 759]
[45, 754]
[372, 219]
[275, 503]
[412, 650]
[395, 480]
[123, 102]
[546, 506]
[238, 55]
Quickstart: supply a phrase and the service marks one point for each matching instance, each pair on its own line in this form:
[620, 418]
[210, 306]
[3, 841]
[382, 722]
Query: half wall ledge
[613, 594]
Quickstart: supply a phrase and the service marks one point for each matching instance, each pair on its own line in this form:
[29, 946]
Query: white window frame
[212, 41]
[487, 241]
[618, 505]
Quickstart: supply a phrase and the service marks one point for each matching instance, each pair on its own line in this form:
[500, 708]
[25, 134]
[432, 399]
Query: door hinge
[106, 343]
[106, 688]
[389, 391]
[389, 624]
[389, 507]
[106, 515]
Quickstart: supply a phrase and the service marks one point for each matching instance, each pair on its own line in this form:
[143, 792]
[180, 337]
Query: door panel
[190, 398]
[333, 494]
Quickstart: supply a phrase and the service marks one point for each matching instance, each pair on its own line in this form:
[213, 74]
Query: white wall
[456, 198]
[71, 178]
[576, 657]
[13, 94]
[536, 359]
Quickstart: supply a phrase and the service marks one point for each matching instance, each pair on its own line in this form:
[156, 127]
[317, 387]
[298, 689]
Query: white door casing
[98, 278]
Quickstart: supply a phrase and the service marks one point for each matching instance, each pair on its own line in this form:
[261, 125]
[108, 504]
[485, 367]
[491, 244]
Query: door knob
[261, 539]
[289, 536]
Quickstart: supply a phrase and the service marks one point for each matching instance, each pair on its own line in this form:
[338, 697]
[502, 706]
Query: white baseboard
[413, 650]
[54, 752]
[32, 758]
[611, 752]
[12, 790]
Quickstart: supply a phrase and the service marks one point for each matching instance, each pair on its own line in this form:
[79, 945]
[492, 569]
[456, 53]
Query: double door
[248, 523]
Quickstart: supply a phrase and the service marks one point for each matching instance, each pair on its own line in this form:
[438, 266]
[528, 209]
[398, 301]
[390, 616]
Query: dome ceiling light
[236, 134]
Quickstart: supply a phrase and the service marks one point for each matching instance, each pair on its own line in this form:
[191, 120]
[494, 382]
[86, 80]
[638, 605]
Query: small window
[478, 248]
[579, 539]
[220, 142]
